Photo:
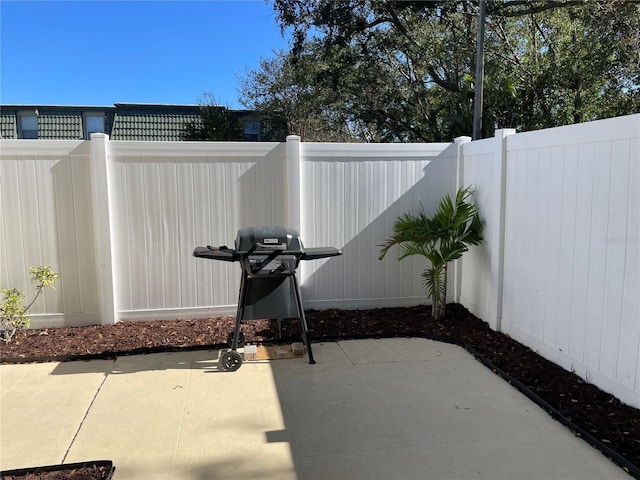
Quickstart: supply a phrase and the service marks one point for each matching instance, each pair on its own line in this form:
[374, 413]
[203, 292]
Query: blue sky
[101, 53]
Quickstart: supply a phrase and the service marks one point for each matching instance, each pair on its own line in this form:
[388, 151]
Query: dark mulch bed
[84, 473]
[98, 470]
[591, 411]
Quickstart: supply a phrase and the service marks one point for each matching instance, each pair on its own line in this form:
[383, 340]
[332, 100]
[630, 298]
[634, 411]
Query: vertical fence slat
[542, 202]
[65, 219]
[567, 242]
[186, 231]
[597, 254]
[30, 222]
[13, 272]
[628, 366]
[169, 232]
[136, 210]
[615, 266]
[48, 239]
[124, 240]
[581, 247]
[203, 228]
[379, 224]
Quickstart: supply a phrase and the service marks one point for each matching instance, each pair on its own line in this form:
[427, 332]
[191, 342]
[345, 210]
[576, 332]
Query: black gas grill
[269, 257]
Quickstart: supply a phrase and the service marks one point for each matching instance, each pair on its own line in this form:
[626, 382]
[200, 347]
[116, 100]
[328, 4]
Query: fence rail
[558, 269]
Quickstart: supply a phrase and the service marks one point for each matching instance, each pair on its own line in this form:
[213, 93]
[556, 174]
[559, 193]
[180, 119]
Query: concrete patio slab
[369, 409]
[40, 413]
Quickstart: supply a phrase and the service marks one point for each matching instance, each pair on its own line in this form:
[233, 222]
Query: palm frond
[411, 232]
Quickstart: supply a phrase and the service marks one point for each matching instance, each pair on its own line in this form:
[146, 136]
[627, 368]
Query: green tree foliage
[565, 65]
[285, 87]
[382, 70]
[217, 123]
[220, 124]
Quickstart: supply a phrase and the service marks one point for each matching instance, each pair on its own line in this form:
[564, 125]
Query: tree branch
[505, 9]
[441, 81]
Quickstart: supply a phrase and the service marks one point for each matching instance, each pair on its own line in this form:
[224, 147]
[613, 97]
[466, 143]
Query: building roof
[8, 124]
[55, 124]
[122, 121]
[153, 122]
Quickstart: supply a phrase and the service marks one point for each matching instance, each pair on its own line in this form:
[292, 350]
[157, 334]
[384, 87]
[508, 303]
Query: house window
[93, 123]
[28, 125]
[252, 130]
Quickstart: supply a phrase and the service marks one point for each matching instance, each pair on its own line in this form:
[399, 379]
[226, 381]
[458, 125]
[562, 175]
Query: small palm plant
[442, 238]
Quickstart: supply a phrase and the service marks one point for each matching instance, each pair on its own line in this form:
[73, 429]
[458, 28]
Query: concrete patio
[369, 409]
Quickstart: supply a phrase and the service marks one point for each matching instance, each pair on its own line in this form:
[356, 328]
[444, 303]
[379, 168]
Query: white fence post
[293, 182]
[497, 257]
[103, 223]
[459, 141]
[457, 265]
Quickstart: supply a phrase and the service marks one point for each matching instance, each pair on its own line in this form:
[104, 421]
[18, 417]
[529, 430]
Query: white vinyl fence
[46, 217]
[558, 269]
[351, 196]
[170, 198]
[119, 220]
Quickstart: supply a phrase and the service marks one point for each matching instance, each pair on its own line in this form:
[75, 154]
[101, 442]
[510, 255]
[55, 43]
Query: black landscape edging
[614, 456]
[110, 355]
[17, 472]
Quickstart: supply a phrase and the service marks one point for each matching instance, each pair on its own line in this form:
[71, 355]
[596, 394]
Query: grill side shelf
[213, 253]
[316, 253]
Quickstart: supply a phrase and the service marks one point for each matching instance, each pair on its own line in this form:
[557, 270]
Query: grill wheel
[230, 361]
[241, 339]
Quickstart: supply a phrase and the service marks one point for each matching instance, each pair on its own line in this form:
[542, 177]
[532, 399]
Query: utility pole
[477, 99]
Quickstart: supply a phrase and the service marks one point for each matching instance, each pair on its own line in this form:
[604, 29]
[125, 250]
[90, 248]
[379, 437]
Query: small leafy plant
[442, 238]
[13, 313]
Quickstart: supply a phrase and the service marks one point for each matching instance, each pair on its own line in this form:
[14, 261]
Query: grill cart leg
[303, 320]
[238, 336]
[232, 360]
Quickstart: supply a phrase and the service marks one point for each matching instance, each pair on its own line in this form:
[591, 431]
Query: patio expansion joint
[86, 413]
[182, 417]
[345, 353]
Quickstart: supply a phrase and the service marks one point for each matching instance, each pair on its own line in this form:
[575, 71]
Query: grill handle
[279, 246]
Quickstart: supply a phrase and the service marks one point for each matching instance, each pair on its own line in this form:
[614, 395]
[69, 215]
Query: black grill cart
[268, 257]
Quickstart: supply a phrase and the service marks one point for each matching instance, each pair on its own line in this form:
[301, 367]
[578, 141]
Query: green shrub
[13, 312]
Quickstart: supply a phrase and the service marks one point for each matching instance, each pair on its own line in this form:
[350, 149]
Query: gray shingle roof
[153, 122]
[8, 124]
[54, 125]
[54, 122]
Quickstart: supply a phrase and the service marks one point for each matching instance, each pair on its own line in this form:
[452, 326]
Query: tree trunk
[439, 300]
[443, 299]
